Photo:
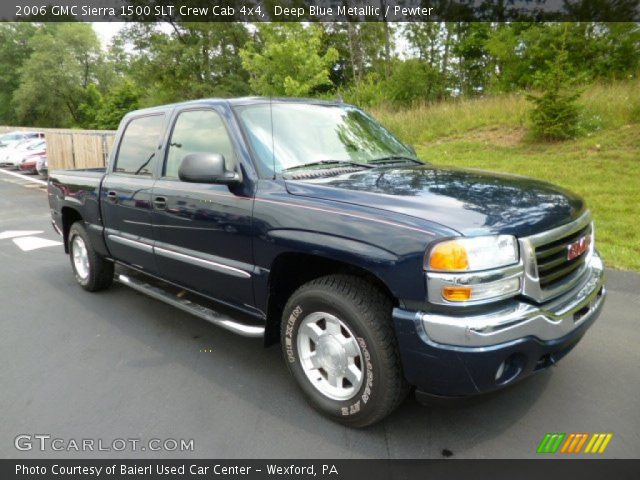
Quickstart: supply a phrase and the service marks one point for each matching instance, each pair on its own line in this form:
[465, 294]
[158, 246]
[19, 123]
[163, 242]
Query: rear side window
[198, 131]
[139, 145]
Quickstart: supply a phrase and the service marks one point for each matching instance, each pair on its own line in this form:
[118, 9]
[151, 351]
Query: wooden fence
[68, 148]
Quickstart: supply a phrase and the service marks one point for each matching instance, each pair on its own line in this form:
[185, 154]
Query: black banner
[322, 469]
[319, 10]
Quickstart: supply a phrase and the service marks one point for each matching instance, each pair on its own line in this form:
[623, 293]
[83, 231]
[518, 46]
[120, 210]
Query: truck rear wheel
[340, 346]
[93, 272]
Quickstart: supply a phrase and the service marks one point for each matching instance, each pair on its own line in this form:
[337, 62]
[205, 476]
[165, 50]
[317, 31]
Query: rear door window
[139, 145]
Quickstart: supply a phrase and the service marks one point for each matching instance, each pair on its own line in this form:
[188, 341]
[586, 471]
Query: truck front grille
[552, 259]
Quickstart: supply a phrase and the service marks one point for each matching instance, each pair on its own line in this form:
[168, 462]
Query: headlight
[473, 270]
[473, 253]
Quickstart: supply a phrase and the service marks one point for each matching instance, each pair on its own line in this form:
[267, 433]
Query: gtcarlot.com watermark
[44, 442]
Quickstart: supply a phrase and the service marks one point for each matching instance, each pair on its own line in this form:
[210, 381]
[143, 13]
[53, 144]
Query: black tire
[366, 311]
[100, 271]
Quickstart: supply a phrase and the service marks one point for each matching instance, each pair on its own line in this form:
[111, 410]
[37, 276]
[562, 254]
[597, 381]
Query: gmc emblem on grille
[577, 248]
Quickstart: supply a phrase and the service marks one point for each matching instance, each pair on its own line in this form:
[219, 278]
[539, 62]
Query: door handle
[112, 197]
[160, 203]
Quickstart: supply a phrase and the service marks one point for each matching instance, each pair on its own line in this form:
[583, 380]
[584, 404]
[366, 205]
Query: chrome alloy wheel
[330, 356]
[80, 257]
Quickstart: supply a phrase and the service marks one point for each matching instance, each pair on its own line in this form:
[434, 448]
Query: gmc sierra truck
[308, 224]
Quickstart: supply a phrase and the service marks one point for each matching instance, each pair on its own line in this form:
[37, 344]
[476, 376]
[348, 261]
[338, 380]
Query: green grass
[603, 167]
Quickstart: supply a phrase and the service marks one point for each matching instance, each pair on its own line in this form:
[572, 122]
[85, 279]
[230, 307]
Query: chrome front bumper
[548, 321]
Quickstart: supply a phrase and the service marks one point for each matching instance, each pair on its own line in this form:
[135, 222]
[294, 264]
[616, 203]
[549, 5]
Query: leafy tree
[412, 80]
[618, 50]
[362, 48]
[15, 48]
[54, 78]
[89, 108]
[520, 52]
[56, 74]
[121, 100]
[193, 60]
[425, 40]
[105, 112]
[286, 59]
[473, 61]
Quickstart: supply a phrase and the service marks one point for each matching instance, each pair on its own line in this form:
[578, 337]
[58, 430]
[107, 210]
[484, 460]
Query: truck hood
[471, 202]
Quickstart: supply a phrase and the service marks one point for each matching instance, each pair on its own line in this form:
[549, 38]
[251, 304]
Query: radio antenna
[273, 144]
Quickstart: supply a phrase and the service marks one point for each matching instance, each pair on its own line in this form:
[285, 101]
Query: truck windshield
[318, 136]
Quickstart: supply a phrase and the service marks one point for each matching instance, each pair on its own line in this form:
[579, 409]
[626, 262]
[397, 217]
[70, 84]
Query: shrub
[410, 82]
[414, 80]
[369, 92]
[556, 113]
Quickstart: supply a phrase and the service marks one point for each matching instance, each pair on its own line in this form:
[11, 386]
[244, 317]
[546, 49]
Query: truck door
[203, 230]
[126, 192]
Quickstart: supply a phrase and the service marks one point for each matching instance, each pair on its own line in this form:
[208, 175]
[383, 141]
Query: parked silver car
[14, 155]
[11, 138]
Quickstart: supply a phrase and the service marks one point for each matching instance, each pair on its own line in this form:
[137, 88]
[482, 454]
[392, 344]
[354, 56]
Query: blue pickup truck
[308, 224]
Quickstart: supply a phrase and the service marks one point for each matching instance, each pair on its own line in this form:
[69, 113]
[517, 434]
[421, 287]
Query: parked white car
[7, 140]
[15, 154]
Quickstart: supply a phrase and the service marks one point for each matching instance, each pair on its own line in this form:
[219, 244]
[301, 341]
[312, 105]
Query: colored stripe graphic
[581, 443]
[551, 442]
[573, 443]
[568, 442]
[598, 443]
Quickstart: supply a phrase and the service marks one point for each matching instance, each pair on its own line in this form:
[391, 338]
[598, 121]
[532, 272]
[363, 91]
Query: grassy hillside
[603, 166]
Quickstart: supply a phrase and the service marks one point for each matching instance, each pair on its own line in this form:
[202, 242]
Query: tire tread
[375, 308]
[101, 271]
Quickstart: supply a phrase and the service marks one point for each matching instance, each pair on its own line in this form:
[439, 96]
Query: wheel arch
[70, 216]
[290, 270]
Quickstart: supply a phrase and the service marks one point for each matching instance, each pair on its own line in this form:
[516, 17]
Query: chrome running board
[191, 307]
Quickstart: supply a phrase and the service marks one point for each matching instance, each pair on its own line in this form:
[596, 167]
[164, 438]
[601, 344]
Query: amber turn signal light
[456, 294]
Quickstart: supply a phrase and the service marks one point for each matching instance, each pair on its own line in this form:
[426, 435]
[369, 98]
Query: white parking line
[27, 244]
[24, 177]
[18, 233]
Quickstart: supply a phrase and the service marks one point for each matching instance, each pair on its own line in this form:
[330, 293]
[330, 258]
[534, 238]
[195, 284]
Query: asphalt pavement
[119, 365]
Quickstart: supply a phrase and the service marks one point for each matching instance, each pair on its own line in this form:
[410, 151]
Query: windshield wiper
[394, 159]
[327, 162]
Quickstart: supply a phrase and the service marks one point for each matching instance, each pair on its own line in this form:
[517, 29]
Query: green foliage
[15, 48]
[91, 105]
[555, 114]
[57, 74]
[194, 60]
[369, 92]
[363, 48]
[410, 81]
[287, 60]
[472, 59]
[105, 113]
[54, 77]
[613, 105]
[519, 52]
[121, 100]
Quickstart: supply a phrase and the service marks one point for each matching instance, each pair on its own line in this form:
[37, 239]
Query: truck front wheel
[339, 345]
[93, 272]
